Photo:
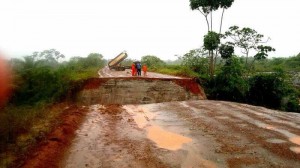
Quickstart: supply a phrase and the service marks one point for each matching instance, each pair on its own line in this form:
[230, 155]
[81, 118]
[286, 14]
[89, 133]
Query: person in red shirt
[133, 70]
[145, 69]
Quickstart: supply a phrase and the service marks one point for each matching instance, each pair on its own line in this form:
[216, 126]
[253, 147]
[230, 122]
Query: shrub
[228, 84]
[272, 90]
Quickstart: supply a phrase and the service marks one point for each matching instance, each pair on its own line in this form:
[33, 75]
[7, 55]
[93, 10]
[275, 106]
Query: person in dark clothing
[138, 68]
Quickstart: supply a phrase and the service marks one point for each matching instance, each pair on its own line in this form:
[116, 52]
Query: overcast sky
[164, 28]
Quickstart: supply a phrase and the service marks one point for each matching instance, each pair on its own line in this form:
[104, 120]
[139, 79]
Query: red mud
[191, 85]
[49, 152]
[240, 162]
[94, 83]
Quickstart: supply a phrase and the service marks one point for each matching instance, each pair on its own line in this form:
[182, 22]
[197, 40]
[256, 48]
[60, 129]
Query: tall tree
[207, 7]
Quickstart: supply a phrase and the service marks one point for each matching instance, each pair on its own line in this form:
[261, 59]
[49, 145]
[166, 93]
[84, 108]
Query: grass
[23, 127]
[176, 70]
[84, 74]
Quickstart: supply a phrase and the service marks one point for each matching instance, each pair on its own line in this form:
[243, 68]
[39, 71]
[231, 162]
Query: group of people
[137, 68]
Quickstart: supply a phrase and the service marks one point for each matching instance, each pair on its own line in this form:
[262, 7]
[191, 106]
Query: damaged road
[198, 133]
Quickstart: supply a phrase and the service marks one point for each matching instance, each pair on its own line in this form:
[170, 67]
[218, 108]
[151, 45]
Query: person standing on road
[145, 69]
[133, 70]
[138, 67]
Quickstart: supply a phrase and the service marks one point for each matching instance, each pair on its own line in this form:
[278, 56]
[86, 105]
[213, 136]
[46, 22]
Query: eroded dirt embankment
[138, 90]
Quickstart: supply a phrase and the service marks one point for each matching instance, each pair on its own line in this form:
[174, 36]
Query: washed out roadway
[198, 133]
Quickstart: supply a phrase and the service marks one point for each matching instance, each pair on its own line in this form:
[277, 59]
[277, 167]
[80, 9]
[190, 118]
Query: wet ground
[198, 133]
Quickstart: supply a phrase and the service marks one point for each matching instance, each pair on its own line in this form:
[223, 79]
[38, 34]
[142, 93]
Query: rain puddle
[292, 137]
[270, 127]
[165, 139]
[295, 149]
[141, 116]
[276, 141]
[295, 140]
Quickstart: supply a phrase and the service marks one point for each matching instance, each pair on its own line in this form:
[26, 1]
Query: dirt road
[106, 72]
[186, 134]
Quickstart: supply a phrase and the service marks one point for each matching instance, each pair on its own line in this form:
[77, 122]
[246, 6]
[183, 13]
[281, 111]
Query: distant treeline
[42, 77]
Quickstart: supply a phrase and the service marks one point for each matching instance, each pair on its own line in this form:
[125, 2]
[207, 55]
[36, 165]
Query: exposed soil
[138, 90]
[50, 151]
[190, 84]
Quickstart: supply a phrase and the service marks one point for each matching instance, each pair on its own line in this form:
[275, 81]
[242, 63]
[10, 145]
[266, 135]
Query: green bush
[228, 84]
[272, 90]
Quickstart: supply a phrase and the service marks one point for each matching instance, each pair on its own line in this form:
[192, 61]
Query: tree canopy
[248, 39]
[152, 61]
[209, 5]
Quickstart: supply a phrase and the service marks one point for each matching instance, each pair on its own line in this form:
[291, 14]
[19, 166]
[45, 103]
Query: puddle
[141, 116]
[295, 140]
[295, 149]
[270, 127]
[165, 139]
[276, 141]
[140, 120]
[223, 117]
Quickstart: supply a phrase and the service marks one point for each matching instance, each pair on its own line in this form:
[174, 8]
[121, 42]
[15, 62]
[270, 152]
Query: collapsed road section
[134, 90]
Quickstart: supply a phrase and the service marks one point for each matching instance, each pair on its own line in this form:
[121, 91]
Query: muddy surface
[198, 133]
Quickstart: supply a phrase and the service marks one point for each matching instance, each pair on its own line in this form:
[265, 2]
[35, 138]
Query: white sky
[164, 28]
